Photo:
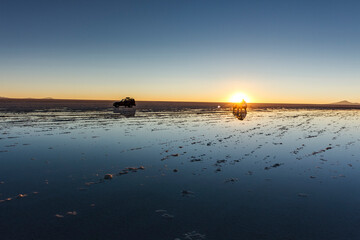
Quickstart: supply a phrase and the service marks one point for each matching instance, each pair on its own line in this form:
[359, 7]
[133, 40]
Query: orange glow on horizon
[238, 97]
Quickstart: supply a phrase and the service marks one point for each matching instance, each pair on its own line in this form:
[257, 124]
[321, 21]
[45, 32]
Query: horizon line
[182, 101]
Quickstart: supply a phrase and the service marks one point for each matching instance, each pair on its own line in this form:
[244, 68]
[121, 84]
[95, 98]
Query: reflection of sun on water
[238, 97]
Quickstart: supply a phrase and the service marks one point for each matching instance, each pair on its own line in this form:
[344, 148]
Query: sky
[272, 51]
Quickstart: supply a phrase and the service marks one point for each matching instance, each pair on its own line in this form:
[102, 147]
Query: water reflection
[127, 112]
[240, 115]
[282, 168]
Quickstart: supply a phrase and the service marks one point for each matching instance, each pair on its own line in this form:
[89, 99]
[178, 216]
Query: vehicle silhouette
[126, 102]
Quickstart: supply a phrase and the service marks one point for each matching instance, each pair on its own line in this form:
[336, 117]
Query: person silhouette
[243, 105]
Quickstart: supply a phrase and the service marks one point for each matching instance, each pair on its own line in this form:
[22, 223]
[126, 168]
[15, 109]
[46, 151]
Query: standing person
[243, 105]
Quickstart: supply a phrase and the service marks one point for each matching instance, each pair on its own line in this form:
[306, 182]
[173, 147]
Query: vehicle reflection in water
[126, 112]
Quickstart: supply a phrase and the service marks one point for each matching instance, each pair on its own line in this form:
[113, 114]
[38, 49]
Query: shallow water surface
[192, 174]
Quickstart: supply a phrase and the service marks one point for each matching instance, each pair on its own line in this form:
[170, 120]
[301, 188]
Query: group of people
[242, 106]
[239, 110]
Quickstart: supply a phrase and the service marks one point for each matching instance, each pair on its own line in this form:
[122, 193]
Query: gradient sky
[273, 51]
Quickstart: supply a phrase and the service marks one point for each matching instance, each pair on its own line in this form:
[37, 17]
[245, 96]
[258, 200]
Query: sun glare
[238, 97]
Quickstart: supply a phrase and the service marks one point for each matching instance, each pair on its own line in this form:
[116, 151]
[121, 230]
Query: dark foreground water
[192, 174]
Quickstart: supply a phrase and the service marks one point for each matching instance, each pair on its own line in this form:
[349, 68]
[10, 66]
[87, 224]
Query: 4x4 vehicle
[126, 102]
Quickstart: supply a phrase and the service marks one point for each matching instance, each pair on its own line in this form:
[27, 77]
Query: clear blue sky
[273, 51]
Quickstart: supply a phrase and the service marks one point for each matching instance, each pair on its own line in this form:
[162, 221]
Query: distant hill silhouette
[30, 98]
[345, 102]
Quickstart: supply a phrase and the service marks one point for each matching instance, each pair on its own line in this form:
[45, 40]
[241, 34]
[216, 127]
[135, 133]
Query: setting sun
[238, 97]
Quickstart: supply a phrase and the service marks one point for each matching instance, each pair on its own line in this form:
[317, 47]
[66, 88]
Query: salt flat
[187, 174]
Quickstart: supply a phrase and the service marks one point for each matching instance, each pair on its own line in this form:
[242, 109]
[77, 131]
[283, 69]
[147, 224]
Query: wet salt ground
[279, 174]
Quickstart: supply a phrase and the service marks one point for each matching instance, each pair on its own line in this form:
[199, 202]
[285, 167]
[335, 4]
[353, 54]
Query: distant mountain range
[28, 98]
[39, 98]
[345, 102]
